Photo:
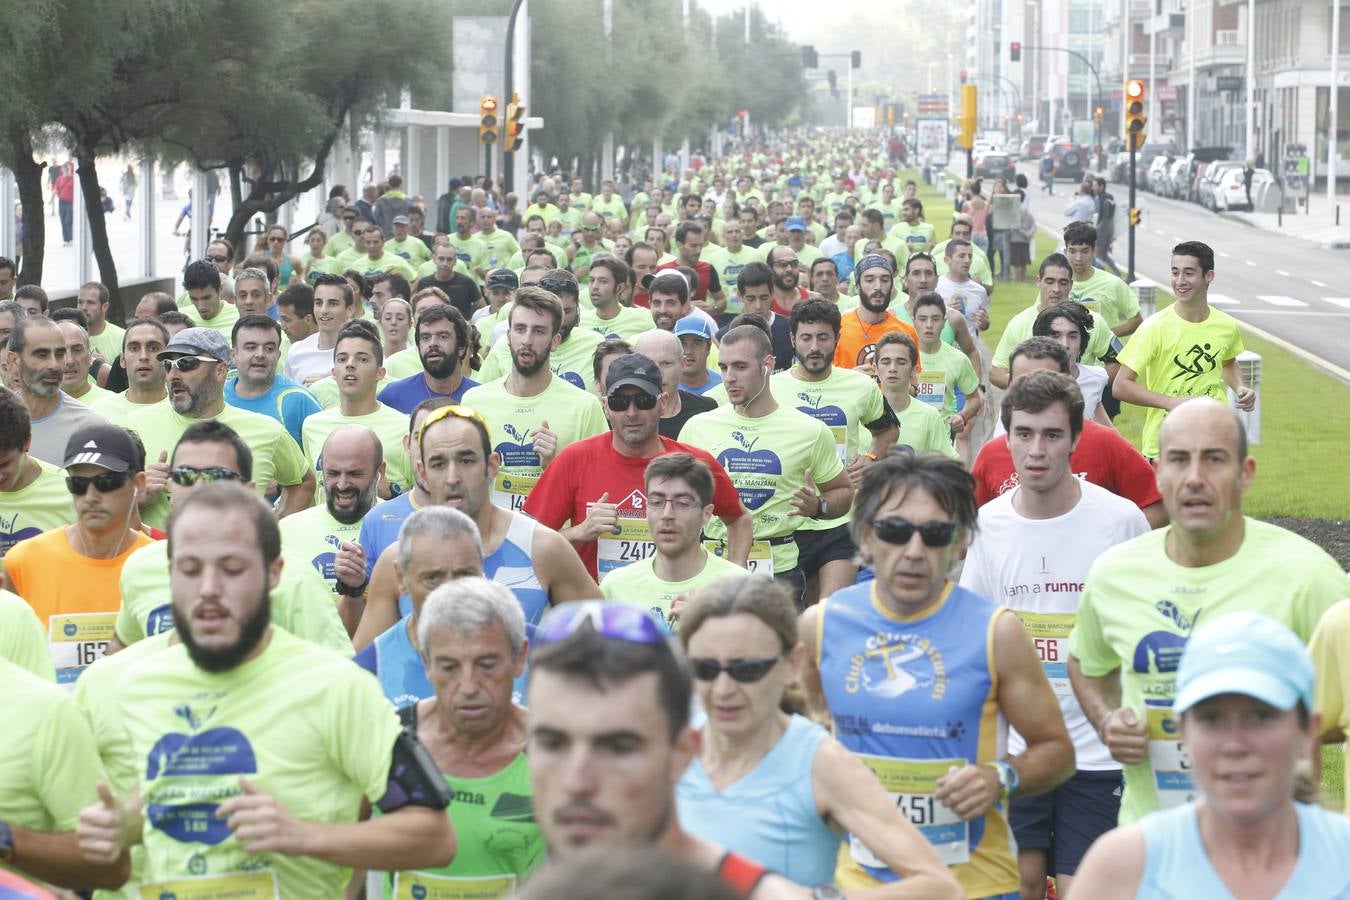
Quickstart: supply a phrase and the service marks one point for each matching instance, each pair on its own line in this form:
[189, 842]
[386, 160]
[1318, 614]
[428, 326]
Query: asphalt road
[1290, 288]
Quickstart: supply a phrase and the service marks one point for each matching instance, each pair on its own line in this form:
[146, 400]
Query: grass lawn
[1305, 425]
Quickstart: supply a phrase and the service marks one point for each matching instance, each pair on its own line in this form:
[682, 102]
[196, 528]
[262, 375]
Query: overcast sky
[796, 16]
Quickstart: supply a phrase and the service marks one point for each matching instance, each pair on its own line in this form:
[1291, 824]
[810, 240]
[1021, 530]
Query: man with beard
[786, 267]
[197, 361]
[521, 406]
[36, 360]
[210, 451]
[571, 359]
[456, 462]
[358, 366]
[610, 281]
[596, 485]
[849, 403]
[352, 465]
[257, 386]
[69, 574]
[442, 337]
[300, 739]
[669, 299]
[859, 329]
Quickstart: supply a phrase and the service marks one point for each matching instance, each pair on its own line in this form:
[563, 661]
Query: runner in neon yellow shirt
[292, 731]
[944, 369]
[207, 307]
[783, 462]
[922, 426]
[410, 247]
[608, 205]
[610, 281]
[1098, 289]
[105, 338]
[1142, 599]
[916, 234]
[571, 359]
[33, 495]
[23, 638]
[498, 245]
[143, 341]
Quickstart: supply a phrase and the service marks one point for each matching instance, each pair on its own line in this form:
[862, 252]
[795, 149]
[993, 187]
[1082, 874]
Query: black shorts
[795, 582]
[816, 548]
[1067, 820]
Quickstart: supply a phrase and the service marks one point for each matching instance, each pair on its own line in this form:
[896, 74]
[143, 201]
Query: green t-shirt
[890, 215]
[572, 361]
[301, 602]
[582, 201]
[612, 208]
[639, 584]
[1177, 358]
[517, 260]
[52, 770]
[389, 426]
[302, 723]
[276, 456]
[924, 427]
[1101, 343]
[222, 323]
[470, 251]
[914, 237]
[498, 843]
[808, 254]
[314, 535]
[1106, 294]
[548, 212]
[979, 263]
[97, 697]
[117, 408]
[729, 266]
[401, 364]
[1138, 609]
[766, 459]
[94, 394]
[328, 396]
[412, 249]
[843, 401]
[388, 262]
[571, 413]
[498, 248]
[901, 311]
[108, 343]
[942, 373]
[339, 244]
[41, 506]
[628, 324]
[889, 242]
[23, 639]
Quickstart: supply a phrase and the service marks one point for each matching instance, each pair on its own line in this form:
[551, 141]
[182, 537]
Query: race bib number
[911, 784]
[510, 490]
[1168, 757]
[760, 560]
[630, 542]
[234, 886]
[931, 388]
[840, 433]
[1050, 634]
[77, 641]
[421, 886]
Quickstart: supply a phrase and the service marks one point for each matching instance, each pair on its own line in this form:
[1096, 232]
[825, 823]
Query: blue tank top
[395, 662]
[512, 565]
[770, 814]
[915, 697]
[1177, 865]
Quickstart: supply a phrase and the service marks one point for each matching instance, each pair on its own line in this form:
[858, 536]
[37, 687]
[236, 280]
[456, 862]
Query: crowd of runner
[701, 542]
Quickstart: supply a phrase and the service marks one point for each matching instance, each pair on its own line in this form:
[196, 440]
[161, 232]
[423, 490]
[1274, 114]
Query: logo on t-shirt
[1159, 652]
[201, 755]
[1197, 361]
[521, 453]
[754, 472]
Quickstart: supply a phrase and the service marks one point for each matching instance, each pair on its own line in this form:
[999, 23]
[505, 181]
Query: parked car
[1230, 193]
[1156, 175]
[992, 165]
[1070, 160]
[1144, 157]
[1205, 190]
[1179, 178]
[1034, 146]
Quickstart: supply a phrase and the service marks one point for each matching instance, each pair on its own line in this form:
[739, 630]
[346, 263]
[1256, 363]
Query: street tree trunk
[98, 233]
[28, 173]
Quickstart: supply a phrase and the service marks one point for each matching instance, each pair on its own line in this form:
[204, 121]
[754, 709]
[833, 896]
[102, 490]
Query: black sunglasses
[218, 259]
[746, 671]
[187, 476]
[105, 482]
[185, 363]
[895, 530]
[620, 402]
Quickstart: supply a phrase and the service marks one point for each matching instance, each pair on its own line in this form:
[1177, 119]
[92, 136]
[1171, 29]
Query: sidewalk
[1315, 223]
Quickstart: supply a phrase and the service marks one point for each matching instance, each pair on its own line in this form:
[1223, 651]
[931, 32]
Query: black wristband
[347, 590]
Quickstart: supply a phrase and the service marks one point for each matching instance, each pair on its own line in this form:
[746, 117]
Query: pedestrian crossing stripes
[1338, 301]
[1279, 300]
[1221, 300]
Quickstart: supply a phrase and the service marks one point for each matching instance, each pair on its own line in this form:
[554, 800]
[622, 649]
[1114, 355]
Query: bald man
[664, 349]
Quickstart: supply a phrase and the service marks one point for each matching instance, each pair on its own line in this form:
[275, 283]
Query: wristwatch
[6, 842]
[347, 590]
[823, 510]
[827, 892]
[1008, 779]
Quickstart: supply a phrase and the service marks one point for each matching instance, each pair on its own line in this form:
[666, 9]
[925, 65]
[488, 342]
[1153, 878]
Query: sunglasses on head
[104, 482]
[457, 410]
[186, 363]
[558, 285]
[895, 530]
[620, 621]
[746, 671]
[620, 402]
[187, 476]
[218, 259]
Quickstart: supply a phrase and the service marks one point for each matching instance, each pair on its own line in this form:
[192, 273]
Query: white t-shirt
[1091, 382]
[1037, 567]
[305, 360]
[832, 246]
[969, 294]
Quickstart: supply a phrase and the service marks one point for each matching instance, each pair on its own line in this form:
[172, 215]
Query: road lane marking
[1338, 301]
[1223, 255]
[1223, 300]
[1281, 273]
[1317, 283]
[1279, 300]
[1296, 312]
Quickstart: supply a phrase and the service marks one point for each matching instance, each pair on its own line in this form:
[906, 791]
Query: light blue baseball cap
[1245, 653]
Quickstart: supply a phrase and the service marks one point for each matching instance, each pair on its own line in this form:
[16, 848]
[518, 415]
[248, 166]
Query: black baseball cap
[636, 370]
[107, 446]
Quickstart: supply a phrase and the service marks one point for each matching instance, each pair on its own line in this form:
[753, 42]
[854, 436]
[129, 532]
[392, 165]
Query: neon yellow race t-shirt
[42, 505]
[639, 584]
[389, 426]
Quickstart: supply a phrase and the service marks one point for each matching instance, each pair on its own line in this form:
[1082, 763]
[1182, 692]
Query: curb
[1237, 218]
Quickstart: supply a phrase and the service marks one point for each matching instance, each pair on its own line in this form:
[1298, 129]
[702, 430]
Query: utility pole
[607, 153]
[1334, 90]
[1191, 29]
[1251, 78]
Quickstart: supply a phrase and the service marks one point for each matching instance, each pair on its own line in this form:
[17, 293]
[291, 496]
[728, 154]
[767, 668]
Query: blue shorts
[1065, 821]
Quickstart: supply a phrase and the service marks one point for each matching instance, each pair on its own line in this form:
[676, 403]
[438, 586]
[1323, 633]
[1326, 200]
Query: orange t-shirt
[75, 597]
[858, 340]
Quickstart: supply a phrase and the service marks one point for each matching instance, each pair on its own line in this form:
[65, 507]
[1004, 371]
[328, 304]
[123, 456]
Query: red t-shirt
[588, 469]
[802, 294]
[1103, 457]
[707, 278]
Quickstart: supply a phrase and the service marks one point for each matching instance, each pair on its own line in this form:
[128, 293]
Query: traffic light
[856, 57]
[1015, 51]
[1097, 115]
[969, 115]
[1134, 216]
[1135, 118]
[963, 76]
[513, 134]
[487, 121]
[810, 59]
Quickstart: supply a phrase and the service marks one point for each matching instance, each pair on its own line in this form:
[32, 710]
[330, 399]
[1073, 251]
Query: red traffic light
[1015, 51]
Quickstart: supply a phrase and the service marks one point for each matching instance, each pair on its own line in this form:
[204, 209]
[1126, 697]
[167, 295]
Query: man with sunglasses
[1034, 548]
[197, 363]
[302, 603]
[571, 359]
[587, 244]
[918, 676]
[608, 738]
[206, 294]
[596, 484]
[69, 574]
